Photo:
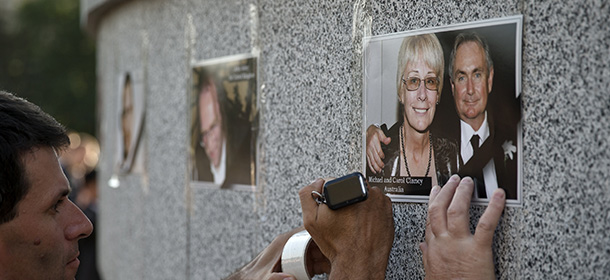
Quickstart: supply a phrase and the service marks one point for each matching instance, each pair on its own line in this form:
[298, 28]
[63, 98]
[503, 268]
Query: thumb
[386, 140]
[424, 251]
[383, 138]
[489, 221]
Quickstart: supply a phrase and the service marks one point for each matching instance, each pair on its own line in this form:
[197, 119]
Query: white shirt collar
[220, 173]
[467, 132]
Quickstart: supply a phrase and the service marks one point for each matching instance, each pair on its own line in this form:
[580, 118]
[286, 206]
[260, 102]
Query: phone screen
[345, 190]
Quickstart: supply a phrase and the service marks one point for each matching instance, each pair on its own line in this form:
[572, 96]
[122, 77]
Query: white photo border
[218, 61]
[517, 21]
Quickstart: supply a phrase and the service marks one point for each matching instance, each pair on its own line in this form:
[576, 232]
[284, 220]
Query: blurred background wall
[153, 224]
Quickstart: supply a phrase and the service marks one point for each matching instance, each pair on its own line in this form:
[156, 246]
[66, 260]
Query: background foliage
[49, 60]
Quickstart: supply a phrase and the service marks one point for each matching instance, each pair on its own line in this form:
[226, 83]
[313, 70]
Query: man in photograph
[224, 154]
[487, 146]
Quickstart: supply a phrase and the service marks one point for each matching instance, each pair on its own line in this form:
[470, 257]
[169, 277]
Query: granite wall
[155, 225]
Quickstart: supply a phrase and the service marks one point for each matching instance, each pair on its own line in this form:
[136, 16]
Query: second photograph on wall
[224, 123]
[443, 101]
[131, 111]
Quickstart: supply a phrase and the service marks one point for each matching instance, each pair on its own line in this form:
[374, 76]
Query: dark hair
[23, 127]
[91, 176]
[464, 38]
[203, 79]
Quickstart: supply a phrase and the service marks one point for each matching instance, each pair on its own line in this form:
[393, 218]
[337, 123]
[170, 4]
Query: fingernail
[499, 194]
[467, 178]
[454, 178]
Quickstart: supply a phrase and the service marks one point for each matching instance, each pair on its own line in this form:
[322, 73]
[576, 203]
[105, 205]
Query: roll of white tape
[293, 256]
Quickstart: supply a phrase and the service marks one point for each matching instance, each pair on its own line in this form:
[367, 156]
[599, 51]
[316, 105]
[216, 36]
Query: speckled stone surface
[156, 226]
[225, 225]
[120, 225]
[566, 220]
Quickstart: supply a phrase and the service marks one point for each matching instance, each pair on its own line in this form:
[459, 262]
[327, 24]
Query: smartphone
[345, 191]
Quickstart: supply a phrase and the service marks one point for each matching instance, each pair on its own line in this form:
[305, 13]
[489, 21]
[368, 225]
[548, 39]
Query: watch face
[345, 190]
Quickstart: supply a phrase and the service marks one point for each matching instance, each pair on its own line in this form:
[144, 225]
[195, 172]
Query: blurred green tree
[49, 60]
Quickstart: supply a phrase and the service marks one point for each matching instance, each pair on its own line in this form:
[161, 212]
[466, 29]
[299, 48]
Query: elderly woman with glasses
[408, 148]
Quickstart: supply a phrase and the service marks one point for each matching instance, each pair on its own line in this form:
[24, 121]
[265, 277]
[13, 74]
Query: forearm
[359, 266]
[267, 261]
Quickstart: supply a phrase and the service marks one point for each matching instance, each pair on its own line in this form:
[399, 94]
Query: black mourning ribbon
[479, 182]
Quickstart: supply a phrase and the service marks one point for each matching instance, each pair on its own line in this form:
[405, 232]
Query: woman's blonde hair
[425, 47]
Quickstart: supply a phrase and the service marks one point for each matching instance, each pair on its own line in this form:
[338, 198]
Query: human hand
[268, 262]
[356, 239]
[281, 276]
[316, 262]
[450, 251]
[374, 153]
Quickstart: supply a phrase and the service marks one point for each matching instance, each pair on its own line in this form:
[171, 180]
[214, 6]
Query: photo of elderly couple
[444, 101]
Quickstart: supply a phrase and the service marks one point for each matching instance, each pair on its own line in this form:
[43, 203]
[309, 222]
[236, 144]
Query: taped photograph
[442, 101]
[131, 122]
[223, 123]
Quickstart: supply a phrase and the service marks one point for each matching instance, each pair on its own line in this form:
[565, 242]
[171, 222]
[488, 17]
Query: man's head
[210, 121]
[39, 226]
[471, 73]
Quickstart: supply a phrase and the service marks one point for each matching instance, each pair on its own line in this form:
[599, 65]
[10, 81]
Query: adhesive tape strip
[293, 255]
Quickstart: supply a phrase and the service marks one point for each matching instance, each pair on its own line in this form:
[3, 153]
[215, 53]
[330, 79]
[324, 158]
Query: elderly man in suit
[483, 138]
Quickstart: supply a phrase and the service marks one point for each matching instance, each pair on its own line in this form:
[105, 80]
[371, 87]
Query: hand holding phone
[357, 239]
